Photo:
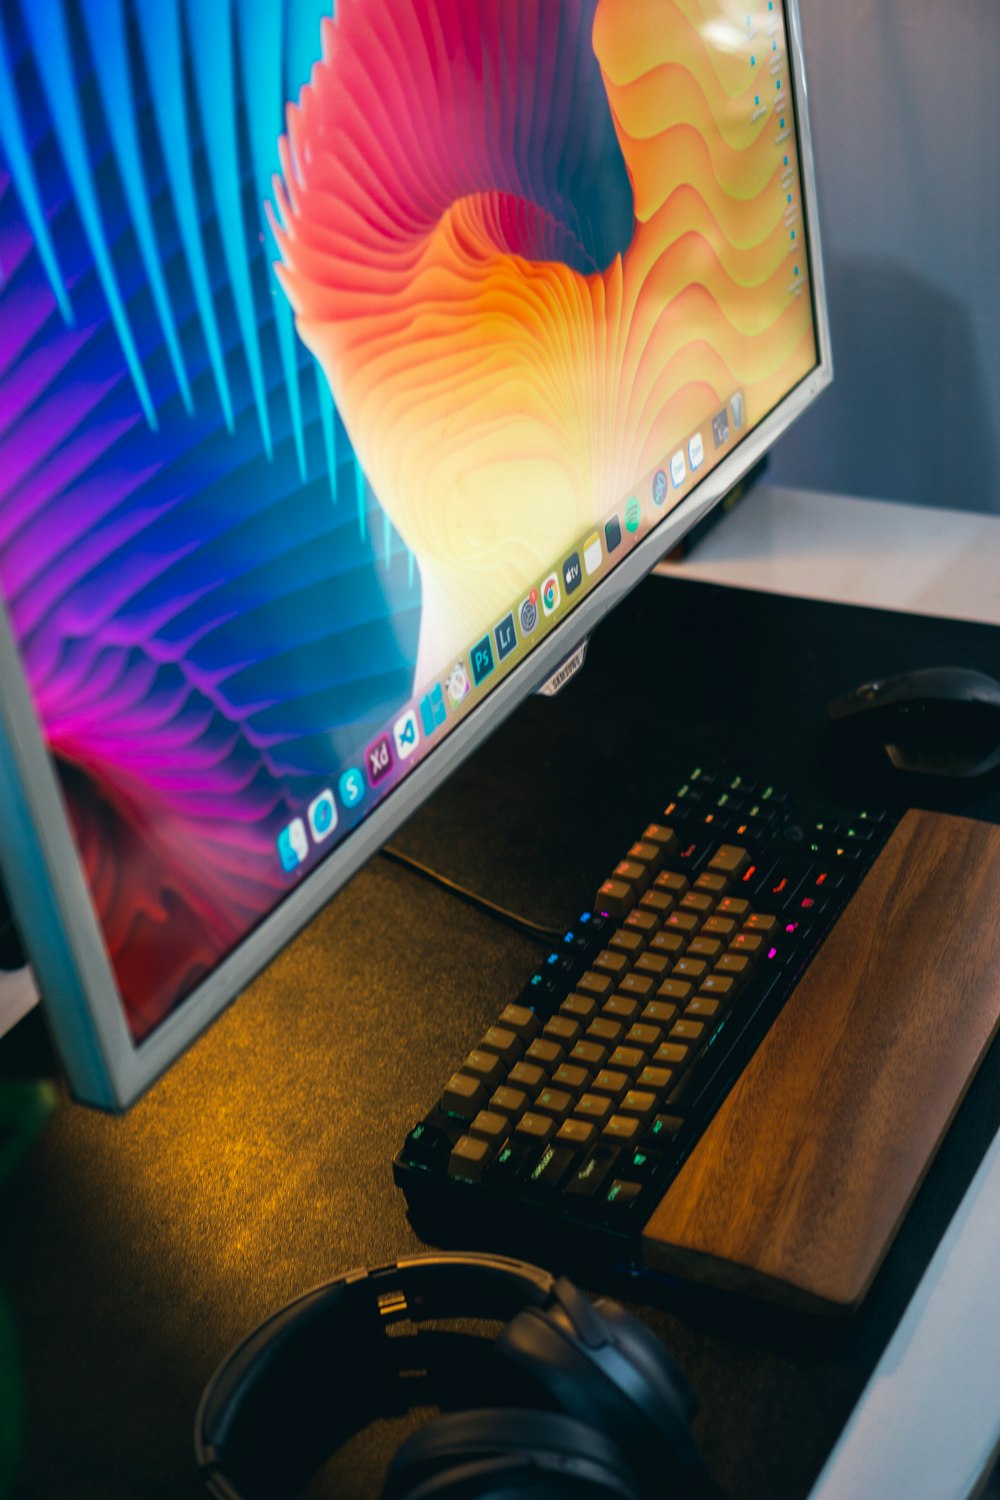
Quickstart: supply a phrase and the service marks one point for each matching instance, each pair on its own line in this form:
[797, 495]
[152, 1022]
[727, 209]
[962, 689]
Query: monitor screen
[353, 360]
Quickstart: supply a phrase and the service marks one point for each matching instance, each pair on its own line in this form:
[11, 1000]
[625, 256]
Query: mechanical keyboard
[574, 1112]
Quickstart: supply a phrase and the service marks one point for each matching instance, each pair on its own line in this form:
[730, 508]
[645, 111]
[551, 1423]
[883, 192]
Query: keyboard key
[660, 1013]
[621, 1008]
[611, 961]
[545, 1053]
[656, 965]
[627, 1059]
[589, 1054]
[595, 1108]
[615, 898]
[735, 907]
[712, 885]
[659, 1080]
[720, 987]
[551, 1167]
[702, 1008]
[675, 991]
[638, 986]
[735, 965]
[574, 1132]
[665, 1127]
[708, 948]
[673, 1055]
[629, 943]
[511, 1103]
[485, 1066]
[689, 969]
[691, 1033]
[506, 1045]
[698, 904]
[641, 1164]
[563, 1030]
[426, 1147]
[592, 1172]
[625, 1129]
[469, 1157]
[684, 922]
[638, 1102]
[729, 859]
[762, 924]
[612, 1082]
[527, 1075]
[554, 1102]
[597, 985]
[750, 944]
[659, 833]
[511, 1164]
[648, 854]
[464, 1096]
[644, 1036]
[658, 904]
[721, 928]
[621, 1195]
[644, 922]
[668, 944]
[673, 883]
[631, 872]
[580, 1008]
[606, 1031]
[535, 1127]
[572, 1077]
[522, 1021]
[491, 1127]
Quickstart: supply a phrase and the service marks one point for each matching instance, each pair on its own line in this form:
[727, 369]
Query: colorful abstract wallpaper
[324, 330]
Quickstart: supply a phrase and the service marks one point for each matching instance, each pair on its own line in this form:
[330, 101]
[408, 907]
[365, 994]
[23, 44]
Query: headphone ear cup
[650, 1355]
[508, 1450]
[613, 1374]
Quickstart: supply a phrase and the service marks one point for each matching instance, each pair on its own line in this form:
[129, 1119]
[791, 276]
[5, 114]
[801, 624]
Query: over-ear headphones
[579, 1400]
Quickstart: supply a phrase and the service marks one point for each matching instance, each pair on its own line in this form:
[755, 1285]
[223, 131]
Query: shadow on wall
[907, 416]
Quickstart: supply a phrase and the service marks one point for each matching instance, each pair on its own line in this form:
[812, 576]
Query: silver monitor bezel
[44, 876]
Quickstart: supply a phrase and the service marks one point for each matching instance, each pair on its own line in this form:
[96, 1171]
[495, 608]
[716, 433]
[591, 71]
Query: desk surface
[142, 1248]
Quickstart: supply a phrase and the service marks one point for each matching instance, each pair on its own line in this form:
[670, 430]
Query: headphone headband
[251, 1392]
[323, 1367]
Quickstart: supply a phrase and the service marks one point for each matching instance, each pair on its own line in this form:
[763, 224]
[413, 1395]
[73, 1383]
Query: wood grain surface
[802, 1179]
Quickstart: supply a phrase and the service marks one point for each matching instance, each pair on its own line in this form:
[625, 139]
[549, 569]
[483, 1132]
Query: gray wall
[905, 104]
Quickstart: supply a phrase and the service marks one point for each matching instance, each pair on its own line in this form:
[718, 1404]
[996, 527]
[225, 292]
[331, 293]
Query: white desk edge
[927, 1425]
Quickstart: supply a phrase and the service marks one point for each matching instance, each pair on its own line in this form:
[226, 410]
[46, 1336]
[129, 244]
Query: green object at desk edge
[24, 1109]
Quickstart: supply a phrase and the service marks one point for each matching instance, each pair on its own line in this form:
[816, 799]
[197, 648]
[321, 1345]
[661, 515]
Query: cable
[524, 925]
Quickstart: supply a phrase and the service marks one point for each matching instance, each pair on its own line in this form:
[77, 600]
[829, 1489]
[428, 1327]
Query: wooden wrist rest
[799, 1184]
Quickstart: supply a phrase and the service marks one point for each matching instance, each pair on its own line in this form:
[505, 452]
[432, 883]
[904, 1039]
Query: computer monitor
[354, 362]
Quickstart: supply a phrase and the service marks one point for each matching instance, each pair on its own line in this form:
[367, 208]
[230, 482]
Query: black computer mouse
[938, 721]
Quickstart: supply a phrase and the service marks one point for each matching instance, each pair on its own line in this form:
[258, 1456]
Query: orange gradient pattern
[501, 399]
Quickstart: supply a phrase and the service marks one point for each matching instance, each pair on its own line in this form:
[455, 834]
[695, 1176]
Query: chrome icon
[551, 594]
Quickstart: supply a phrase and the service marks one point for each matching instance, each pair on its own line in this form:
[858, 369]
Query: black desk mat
[135, 1251]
